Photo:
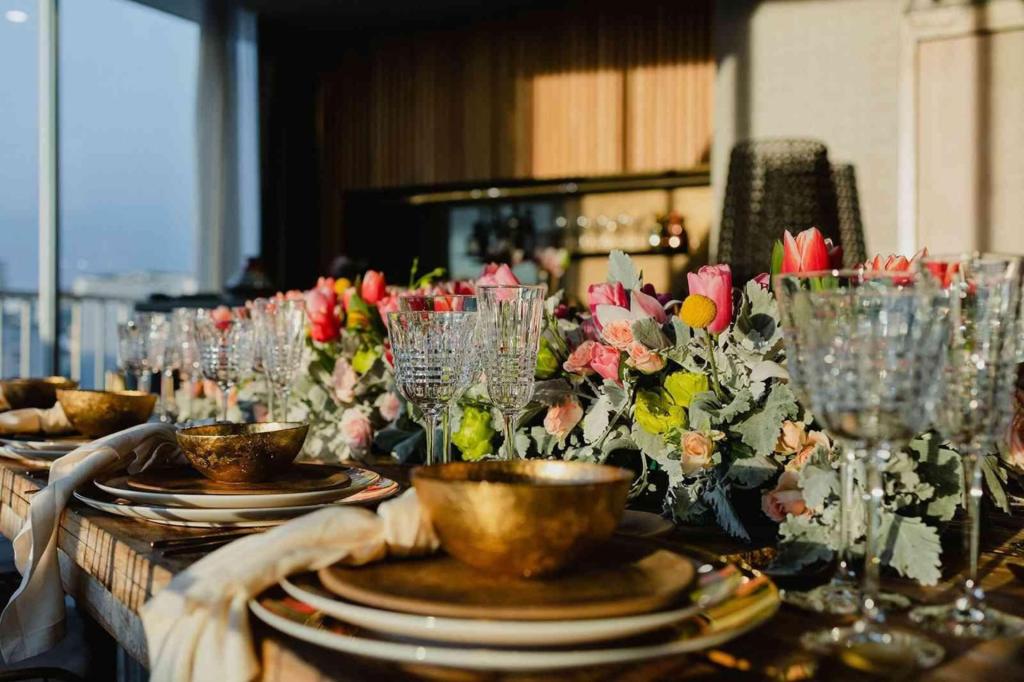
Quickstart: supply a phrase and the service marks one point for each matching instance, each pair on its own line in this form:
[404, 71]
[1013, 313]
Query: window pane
[127, 149]
[19, 168]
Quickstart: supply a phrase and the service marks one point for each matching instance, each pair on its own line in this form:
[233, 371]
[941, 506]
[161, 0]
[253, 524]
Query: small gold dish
[35, 392]
[242, 453]
[101, 413]
[526, 517]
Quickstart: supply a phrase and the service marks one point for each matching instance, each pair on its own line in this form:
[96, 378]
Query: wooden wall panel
[586, 91]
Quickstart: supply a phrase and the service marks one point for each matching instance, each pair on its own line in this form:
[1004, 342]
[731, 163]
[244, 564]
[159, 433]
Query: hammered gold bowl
[526, 517]
[242, 453]
[101, 413]
[37, 392]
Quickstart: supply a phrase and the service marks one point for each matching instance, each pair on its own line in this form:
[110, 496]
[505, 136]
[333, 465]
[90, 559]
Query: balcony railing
[87, 336]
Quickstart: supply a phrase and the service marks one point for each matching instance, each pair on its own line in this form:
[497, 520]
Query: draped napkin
[34, 420]
[33, 620]
[198, 626]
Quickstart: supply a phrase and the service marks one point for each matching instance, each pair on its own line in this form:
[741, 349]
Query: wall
[825, 69]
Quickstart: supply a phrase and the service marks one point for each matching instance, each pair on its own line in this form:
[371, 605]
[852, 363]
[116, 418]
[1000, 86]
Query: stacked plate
[38, 451]
[623, 606]
[183, 497]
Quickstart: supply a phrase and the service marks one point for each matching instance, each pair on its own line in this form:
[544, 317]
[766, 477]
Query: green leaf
[622, 270]
[752, 472]
[648, 332]
[819, 483]
[725, 514]
[595, 422]
[761, 430]
[990, 469]
[616, 394]
[793, 557]
[655, 447]
[911, 547]
[551, 391]
[778, 251]
[706, 411]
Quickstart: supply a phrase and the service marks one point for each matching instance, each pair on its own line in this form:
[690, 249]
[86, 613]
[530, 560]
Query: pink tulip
[715, 282]
[607, 294]
[649, 305]
[494, 275]
[895, 263]
[807, 252]
[374, 288]
[222, 317]
[605, 361]
[321, 309]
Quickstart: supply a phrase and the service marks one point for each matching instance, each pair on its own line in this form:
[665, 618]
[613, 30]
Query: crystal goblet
[280, 328]
[226, 349]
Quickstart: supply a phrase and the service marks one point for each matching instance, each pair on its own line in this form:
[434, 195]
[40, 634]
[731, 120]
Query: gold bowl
[525, 517]
[101, 413]
[38, 392]
[242, 453]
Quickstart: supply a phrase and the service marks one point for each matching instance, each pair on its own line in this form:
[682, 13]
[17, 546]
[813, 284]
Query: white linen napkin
[34, 420]
[33, 620]
[198, 626]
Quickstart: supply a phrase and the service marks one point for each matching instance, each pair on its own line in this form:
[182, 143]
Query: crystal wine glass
[130, 348]
[280, 327]
[183, 324]
[471, 366]
[226, 349]
[257, 311]
[160, 358]
[874, 351]
[980, 374]
[510, 329]
[430, 353]
[840, 595]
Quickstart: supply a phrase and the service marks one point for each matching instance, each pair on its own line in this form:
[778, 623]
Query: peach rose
[389, 406]
[619, 334]
[785, 499]
[605, 361]
[644, 359]
[562, 418]
[578, 361]
[811, 443]
[696, 453]
[356, 430]
[792, 437]
[343, 381]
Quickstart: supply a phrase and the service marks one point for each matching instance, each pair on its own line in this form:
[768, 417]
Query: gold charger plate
[620, 578]
[301, 477]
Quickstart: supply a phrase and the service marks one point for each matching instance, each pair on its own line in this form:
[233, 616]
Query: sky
[127, 140]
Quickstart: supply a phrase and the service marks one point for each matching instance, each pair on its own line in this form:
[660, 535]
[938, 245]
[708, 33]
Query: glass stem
[224, 388]
[167, 405]
[871, 614]
[431, 436]
[282, 403]
[271, 398]
[972, 592]
[446, 434]
[847, 508]
[509, 446]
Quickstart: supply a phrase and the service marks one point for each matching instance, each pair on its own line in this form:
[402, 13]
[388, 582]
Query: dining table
[110, 568]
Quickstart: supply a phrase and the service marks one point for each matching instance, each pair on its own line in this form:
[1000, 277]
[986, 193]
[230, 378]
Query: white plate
[505, 632]
[262, 501]
[64, 446]
[184, 516]
[478, 658]
[32, 460]
[37, 453]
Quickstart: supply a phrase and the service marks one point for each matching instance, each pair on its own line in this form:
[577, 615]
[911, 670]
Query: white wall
[824, 69]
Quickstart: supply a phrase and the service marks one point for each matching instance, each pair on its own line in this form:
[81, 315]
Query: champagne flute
[510, 328]
[226, 349]
[280, 327]
[875, 346]
[980, 375]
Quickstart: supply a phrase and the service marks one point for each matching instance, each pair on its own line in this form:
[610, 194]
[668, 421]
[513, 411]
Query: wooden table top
[108, 566]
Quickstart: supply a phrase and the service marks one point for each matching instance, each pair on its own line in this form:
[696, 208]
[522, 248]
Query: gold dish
[38, 392]
[100, 413]
[242, 453]
[526, 517]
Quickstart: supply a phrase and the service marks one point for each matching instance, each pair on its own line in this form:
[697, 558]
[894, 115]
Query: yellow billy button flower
[698, 311]
[341, 284]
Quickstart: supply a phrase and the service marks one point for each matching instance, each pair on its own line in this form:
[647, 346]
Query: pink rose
[562, 418]
[644, 359]
[343, 381]
[696, 450]
[578, 361]
[321, 309]
[374, 288]
[606, 294]
[785, 499]
[497, 275]
[356, 430]
[649, 305]
[619, 334]
[714, 282]
[389, 406]
[605, 361]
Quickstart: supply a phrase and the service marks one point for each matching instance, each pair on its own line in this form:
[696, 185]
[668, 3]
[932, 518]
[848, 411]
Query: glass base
[875, 650]
[839, 598]
[976, 620]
